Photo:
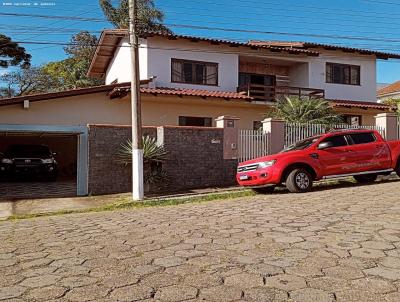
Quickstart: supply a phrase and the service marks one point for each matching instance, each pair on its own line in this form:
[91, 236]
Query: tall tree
[26, 81]
[11, 54]
[69, 73]
[150, 18]
[72, 72]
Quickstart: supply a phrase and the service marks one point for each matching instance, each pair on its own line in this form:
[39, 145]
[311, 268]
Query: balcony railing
[271, 93]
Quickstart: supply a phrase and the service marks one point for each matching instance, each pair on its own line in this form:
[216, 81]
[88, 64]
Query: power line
[381, 2]
[304, 20]
[281, 14]
[54, 17]
[262, 4]
[199, 50]
[282, 33]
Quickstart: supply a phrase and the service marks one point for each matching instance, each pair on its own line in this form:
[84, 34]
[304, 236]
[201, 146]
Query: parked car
[33, 161]
[363, 154]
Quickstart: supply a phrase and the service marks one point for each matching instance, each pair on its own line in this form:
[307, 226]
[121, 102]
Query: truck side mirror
[325, 145]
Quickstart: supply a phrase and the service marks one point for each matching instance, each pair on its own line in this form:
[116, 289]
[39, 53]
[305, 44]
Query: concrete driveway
[340, 244]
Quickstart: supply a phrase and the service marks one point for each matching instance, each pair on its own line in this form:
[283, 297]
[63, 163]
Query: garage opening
[42, 164]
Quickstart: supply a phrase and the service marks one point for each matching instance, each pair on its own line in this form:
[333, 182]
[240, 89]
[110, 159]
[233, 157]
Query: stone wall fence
[198, 157]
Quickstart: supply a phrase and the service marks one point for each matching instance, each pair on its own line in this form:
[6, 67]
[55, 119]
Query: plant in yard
[394, 102]
[153, 157]
[305, 110]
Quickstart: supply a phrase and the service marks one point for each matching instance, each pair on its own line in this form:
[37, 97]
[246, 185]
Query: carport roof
[65, 93]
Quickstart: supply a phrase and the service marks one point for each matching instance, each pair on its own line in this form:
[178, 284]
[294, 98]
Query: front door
[335, 160]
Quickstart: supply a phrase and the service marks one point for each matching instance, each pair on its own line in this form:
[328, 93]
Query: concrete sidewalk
[48, 205]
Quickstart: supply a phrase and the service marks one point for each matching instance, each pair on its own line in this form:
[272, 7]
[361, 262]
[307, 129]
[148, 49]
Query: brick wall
[106, 174]
[195, 158]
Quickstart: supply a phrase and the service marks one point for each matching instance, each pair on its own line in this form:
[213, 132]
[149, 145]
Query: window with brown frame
[194, 72]
[195, 121]
[343, 74]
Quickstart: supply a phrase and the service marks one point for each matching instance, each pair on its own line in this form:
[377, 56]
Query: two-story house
[191, 81]
[188, 81]
[213, 77]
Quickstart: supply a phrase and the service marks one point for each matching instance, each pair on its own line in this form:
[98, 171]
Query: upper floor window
[342, 74]
[194, 72]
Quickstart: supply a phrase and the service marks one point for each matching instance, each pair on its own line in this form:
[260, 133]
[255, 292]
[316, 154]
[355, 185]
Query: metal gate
[253, 144]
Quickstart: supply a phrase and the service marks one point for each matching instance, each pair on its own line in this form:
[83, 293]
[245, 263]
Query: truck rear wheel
[264, 190]
[299, 181]
[397, 169]
[365, 178]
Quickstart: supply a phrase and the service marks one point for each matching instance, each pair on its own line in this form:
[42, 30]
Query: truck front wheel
[299, 181]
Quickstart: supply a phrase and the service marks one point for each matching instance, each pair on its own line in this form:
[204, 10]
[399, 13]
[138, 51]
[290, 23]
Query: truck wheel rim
[302, 180]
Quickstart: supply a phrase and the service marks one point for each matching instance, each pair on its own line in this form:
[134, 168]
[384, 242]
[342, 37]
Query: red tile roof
[182, 92]
[65, 93]
[360, 104]
[307, 45]
[393, 88]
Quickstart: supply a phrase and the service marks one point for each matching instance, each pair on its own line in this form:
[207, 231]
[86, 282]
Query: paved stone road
[338, 244]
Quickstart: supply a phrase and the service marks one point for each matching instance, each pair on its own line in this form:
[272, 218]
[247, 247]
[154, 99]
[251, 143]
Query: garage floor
[35, 189]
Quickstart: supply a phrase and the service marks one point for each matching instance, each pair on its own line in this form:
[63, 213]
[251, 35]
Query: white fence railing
[253, 144]
[296, 132]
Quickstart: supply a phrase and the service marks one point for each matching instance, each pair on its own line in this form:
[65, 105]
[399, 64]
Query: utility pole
[137, 148]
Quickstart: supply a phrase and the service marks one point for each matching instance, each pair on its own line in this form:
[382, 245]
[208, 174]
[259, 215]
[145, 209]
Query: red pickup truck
[363, 154]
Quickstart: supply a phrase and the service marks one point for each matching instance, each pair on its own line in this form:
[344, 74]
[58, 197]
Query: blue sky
[358, 23]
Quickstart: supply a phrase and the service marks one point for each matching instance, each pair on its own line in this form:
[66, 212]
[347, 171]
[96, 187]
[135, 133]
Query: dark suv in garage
[32, 161]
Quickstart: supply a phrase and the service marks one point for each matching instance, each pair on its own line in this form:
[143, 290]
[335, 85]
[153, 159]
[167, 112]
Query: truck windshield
[301, 145]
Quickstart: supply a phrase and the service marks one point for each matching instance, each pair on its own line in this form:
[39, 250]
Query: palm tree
[150, 18]
[153, 157]
[305, 110]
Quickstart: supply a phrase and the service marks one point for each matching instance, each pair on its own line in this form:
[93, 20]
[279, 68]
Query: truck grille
[251, 167]
[27, 161]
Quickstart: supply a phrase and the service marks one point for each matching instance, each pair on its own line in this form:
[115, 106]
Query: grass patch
[126, 203]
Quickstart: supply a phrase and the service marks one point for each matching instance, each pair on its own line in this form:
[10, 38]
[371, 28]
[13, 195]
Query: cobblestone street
[340, 244]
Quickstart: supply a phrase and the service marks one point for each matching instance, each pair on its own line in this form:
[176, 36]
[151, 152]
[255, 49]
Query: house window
[195, 121]
[194, 72]
[342, 74]
[352, 120]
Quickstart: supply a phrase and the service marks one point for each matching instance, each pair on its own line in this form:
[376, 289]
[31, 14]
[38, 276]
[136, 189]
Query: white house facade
[341, 73]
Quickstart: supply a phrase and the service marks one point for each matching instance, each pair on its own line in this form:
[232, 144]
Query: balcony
[271, 93]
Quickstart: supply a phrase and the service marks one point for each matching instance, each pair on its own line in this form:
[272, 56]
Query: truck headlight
[266, 164]
[6, 161]
[47, 161]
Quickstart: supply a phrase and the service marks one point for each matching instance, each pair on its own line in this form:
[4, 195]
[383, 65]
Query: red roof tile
[307, 45]
[195, 92]
[393, 88]
[360, 104]
[123, 91]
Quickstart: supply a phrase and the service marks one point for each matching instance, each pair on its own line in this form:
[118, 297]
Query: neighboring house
[391, 91]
